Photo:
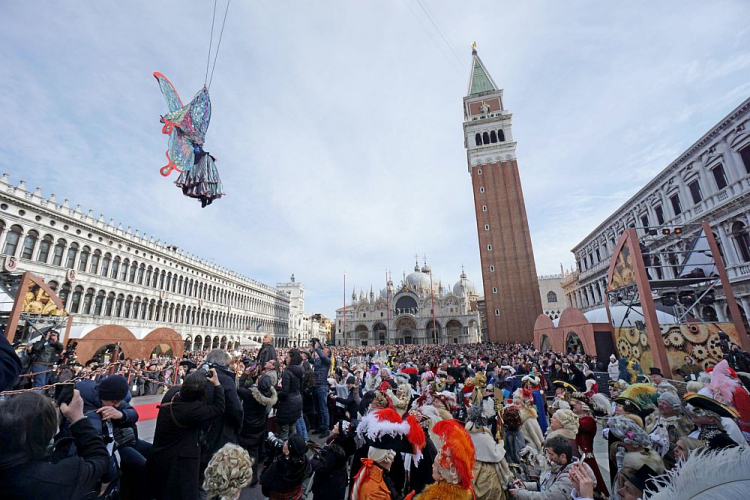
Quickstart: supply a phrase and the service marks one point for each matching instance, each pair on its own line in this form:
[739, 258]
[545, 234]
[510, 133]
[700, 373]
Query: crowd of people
[457, 421]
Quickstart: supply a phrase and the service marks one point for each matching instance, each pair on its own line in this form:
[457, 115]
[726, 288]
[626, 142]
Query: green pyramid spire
[480, 80]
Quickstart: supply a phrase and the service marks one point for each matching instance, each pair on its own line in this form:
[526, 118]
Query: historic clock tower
[511, 289]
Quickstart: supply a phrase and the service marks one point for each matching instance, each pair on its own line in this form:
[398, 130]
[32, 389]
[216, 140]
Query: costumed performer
[452, 469]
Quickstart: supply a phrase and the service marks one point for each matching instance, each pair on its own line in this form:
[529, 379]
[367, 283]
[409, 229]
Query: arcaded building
[119, 284]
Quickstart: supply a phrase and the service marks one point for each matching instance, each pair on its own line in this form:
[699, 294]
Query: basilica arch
[454, 331]
[380, 333]
[433, 332]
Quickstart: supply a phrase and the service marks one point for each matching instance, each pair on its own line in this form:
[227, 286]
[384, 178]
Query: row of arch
[109, 304]
[490, 137]
[47, 250]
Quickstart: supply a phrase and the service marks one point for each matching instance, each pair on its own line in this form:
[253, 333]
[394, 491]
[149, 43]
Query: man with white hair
[267, 351]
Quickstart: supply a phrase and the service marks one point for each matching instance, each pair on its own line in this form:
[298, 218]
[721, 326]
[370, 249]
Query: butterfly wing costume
[186, 126]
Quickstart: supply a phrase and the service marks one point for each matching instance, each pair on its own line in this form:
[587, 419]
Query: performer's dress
[202, 180]
[585, 444]
[186, 126]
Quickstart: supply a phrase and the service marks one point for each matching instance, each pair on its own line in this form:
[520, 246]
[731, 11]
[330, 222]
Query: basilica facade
[404, 314]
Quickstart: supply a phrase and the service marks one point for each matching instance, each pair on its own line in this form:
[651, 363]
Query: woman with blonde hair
[229, 470]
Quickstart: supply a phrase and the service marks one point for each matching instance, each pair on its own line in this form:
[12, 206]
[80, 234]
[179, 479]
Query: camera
[206, 368]
[274, 442]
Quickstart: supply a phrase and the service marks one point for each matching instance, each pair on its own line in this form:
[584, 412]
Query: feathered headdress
[643, 396]
[601, 404]
[720, 475]
[722, 385]
[457, 453]
[380, 425]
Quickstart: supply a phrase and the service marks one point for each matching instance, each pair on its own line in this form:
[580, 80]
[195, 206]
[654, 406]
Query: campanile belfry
[511, 289]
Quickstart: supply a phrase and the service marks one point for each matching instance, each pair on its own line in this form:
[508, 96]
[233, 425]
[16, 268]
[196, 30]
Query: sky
[337, 125]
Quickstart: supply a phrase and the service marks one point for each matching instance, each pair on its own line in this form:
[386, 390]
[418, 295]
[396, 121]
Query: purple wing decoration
[200, 114]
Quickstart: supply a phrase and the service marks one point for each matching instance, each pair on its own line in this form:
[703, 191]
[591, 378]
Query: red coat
[585, 443]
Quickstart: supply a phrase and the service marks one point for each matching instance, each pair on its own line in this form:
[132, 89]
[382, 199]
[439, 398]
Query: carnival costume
[454, 464]
[186, 126]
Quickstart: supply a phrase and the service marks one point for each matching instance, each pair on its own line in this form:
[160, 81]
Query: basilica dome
[418, 280]
[464, 286]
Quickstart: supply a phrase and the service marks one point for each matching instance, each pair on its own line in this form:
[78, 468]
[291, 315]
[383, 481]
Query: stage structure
[29, 308]
[638, 281]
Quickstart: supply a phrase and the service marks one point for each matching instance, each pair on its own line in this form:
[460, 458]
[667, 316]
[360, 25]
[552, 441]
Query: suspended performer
[186, 126]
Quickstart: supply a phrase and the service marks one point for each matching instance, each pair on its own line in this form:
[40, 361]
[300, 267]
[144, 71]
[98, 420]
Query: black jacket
[226, 428]
[173, 468]
[330, 478]
[70, 478]
[267, 353]
[46, 352]
[284, 474]
[10, 364]
[289, 407]
[256, 407]
[322, 365]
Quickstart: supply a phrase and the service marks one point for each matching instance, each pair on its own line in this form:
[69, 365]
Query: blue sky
[338, 125]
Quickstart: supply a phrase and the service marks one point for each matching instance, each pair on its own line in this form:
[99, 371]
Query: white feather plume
[718, 475]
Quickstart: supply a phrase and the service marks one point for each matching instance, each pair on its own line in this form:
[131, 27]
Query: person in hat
[635, 482]
[106, 404]
[387, 436]
[532, 384]
[670, 423]
[726, 388]
[257, 401]
[712, 418]
[631, 449]
[661, 384]
[563, 392]
[421, 475]
[491, 470]
[283, 479]
[453, 466]
[613, 368]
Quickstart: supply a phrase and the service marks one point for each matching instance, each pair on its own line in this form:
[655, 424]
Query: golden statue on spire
[474, 46]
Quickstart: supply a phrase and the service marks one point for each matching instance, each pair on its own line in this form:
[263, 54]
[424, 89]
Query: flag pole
[387, 306]
[432, 290]
[343, 332]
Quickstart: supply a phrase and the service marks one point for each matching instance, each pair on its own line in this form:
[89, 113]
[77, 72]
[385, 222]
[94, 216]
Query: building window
[745, 155]
[83, 261]
[486, 227]
[72, 253]
[481, 189]
[492, 269]
[497, 312]
[695, 191]
[676, 205]
[494, 289]
[115, 269]
[11, 242]
[484, 208]
[644, 222]
[552, 297]
[500, 136]
[659, 214]
[44, 248]
[489, 247]
[486, 138]
[478, 139]
[598, 255]
[741, 240]
[720, 177]
[28, 245]
[493, 137]
[479, 171]
[57, 257]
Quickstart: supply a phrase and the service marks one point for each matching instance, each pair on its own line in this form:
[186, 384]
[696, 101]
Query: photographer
[46, 353]
[329, 464]
[173, 468]
[322, 365]
[283, 479]
[226, 428]
[27, 424]
[257, 400]
[289, 407]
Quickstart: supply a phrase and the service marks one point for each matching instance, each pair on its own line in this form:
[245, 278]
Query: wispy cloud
[338, 125]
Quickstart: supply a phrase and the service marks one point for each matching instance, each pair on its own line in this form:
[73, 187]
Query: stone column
[727, 245]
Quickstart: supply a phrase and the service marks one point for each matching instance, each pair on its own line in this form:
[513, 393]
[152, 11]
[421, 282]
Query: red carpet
[147, 411]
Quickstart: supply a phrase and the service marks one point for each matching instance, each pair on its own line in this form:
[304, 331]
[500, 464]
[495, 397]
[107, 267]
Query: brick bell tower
[511, 288]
